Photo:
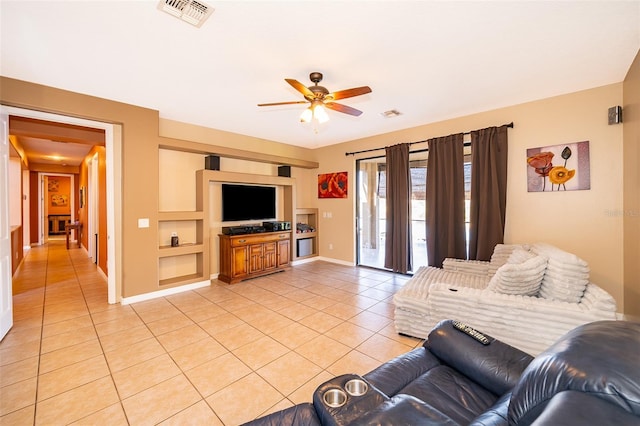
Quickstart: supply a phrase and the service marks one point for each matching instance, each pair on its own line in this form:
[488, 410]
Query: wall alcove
[201, 236]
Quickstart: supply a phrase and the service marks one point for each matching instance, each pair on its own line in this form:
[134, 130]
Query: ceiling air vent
[391, 113]
[191, 11]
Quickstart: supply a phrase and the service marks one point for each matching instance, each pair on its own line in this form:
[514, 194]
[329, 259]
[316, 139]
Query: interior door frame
[113, 148]
[42, 205]
[92, 207]
[6, 289]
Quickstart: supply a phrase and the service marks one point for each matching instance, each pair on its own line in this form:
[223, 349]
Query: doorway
[113, 143]
[50, 196]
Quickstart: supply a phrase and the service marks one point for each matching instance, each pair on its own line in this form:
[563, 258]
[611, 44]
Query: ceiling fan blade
[349, 93]
[284, 103]
[343, 108]
[300, 88]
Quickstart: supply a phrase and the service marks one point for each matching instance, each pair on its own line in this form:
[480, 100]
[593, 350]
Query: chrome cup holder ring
[356, 387]
[334, 397]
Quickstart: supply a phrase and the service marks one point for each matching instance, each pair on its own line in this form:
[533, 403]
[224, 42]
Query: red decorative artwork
[332, 185]
[566, 167]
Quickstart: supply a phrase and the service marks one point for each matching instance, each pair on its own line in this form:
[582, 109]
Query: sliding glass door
[371, 210]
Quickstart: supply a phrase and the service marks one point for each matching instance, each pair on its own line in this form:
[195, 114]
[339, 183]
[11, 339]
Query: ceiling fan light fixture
[320, 99]
[306, 116]
[315, 112]
[320, 113]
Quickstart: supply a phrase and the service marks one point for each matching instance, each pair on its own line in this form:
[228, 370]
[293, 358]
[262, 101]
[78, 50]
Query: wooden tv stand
[252, 255]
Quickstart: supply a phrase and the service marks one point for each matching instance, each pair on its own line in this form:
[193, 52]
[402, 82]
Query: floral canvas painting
[333, 185]
[559, 168]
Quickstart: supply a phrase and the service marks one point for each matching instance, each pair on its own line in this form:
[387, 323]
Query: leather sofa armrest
[397, 373]
[574, 408]
[298, 415]
[340, 412]
[497, 366]
[599, 358]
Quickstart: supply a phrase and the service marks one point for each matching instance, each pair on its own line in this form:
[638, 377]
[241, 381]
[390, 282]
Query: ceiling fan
[320, 97]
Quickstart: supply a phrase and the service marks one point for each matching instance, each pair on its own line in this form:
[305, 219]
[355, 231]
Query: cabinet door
[239, 262]
[270, 256]
[283, 253]
[256, 263]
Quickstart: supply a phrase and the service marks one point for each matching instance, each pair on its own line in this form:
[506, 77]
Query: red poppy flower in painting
[542, 164]
[333, 185]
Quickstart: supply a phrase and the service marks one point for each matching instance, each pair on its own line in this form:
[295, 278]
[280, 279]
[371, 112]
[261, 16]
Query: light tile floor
[220, 355]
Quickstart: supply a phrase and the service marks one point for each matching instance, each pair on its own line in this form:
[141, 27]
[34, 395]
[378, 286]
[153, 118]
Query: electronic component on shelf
[243, 229]
[303, 227]
[277, 226]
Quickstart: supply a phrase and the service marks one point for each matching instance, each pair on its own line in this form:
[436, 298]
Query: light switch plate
[143, 222]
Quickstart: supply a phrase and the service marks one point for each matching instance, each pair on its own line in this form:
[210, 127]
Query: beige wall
[188, 132]
[140, 167]
[587, 223]
[631, 208]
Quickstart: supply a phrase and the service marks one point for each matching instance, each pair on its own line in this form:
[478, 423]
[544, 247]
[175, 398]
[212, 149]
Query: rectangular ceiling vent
[191, 11]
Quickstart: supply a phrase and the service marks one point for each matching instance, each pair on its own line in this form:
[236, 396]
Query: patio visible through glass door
[371, 210]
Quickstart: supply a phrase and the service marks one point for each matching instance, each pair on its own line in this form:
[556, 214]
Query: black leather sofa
[591, 376]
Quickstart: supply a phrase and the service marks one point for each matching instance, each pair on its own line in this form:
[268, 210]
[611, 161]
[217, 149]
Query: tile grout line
[84, 298]
[44, 301]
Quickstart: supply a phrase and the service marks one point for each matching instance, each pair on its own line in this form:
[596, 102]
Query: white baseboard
[165, 292]
[303, 261]
[338, 261]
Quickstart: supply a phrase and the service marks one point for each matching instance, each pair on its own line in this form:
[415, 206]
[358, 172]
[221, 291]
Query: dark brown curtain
[445, 200]
[397, 253]
[488, 190]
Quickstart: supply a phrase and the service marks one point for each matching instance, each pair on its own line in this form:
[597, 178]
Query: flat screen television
[248, 202]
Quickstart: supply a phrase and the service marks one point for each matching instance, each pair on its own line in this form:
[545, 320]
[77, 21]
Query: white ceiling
[44, 151]
[429, 60]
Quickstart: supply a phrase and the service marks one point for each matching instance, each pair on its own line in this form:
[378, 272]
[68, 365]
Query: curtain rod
[510, 125]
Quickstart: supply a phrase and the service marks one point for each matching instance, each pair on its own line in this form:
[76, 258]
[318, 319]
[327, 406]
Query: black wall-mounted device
[212, 162]
[615, 115]
[284, 171]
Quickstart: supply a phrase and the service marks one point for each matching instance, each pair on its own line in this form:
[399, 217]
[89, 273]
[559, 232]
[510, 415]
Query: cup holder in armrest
[356, 387]
[334, 397]
[343, 399]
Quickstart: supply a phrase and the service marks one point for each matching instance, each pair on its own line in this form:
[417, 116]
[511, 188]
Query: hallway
[220, 355]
